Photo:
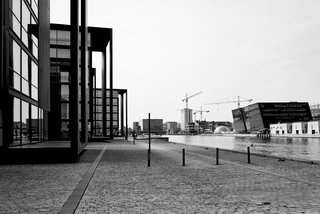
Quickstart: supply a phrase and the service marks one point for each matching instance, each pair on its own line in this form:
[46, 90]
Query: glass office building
[104, 106]
[118, 113]
[260, 115]
[24, 80]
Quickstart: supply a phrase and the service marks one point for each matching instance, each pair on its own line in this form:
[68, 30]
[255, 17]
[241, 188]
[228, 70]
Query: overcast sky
[265, 50]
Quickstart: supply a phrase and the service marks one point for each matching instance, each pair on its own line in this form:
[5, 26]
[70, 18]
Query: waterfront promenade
[114, 177]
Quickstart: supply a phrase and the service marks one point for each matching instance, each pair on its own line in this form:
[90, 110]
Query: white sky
[265, 50]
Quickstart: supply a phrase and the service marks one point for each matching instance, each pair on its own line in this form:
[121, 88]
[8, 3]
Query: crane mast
[196, 111]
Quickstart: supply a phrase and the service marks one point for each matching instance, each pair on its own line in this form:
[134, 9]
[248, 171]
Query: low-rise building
[314, 127]
[171, 127]
[281, 128]
[296, 128]
[156, 126]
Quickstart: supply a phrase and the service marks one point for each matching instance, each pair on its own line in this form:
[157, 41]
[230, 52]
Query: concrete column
[103, 92]
[122, 116]
[74, 93]
[111, 84]
[84, 72]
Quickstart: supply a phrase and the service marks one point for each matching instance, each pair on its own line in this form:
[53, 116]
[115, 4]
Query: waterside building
[261, 115]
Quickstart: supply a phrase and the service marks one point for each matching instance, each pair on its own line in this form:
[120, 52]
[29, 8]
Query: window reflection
[15, 7]
[34, 74]
[15, 82]
[35, 7]
[34, 124]
[24, 122]
[35, 50]
[16, 56]
[64, 110]
[53, 38]
[16, 121]
[25, 37]
[64, 129]
[63, 53]
[64, 90]
[25, 87]
[64, 77]
[16, 26]
[63, 37]
[34, 93]
[25, 65]
[25, 16]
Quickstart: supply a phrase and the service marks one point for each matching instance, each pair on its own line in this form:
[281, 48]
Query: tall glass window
[34, 124]
[25, 65]
[15, 57]
[25, 123]
[64, 93]
[16, 122]
[34, 74]
[15, 7]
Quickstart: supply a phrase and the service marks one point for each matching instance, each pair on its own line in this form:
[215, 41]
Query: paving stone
[123, 183]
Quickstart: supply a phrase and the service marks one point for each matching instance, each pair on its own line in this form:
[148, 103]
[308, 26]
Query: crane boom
[187, 98]
[231, 101]
[196, 111]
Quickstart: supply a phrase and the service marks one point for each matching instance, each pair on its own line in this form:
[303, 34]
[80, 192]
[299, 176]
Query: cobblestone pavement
[123, 182]
[42, 188]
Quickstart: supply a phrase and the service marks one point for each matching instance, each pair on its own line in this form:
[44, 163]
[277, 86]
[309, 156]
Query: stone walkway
[122, 182]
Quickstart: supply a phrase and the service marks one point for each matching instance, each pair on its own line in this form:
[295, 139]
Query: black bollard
[248, 149]
[183, 157]
[217, 156]
[148, 157]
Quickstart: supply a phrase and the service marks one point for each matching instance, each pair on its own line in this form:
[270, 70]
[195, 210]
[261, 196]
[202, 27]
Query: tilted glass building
[260, 115]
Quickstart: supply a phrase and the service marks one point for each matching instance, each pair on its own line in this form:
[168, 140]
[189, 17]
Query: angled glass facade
[260, 115]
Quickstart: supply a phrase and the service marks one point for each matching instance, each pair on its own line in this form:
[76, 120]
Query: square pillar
[74, 84]
[84, 72]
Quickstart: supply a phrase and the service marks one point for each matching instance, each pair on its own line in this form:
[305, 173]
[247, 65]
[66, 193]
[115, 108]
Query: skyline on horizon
[265, 50]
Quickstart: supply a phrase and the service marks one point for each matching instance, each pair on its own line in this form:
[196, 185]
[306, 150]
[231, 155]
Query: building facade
[297, 128]
[171, 127]
[260, 115]
[24, 75]
[117, 114]
[315, 111]
[136, 127]
[186, 117]
[156, 126]
[100, 110]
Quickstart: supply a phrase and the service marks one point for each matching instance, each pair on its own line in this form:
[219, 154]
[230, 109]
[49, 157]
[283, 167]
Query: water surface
[303, 148]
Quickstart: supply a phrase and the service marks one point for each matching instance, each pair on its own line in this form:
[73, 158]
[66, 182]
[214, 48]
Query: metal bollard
[217, 156]
[248, 149]
[148, 157]
[183, 157]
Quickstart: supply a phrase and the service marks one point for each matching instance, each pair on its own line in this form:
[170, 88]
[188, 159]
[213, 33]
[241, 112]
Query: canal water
[302, 148]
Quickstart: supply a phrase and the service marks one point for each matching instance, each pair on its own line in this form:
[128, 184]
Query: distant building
[315, 111]
[186, 117]
[260, 115]
[171, 127]
[135, 126]
[311, 127]
[156, 126]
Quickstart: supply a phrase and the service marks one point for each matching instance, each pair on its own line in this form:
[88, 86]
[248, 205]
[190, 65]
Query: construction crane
[196, 111]
[237, 99]
[187, 98]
